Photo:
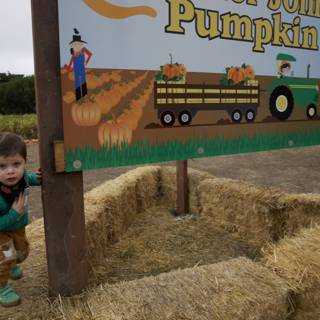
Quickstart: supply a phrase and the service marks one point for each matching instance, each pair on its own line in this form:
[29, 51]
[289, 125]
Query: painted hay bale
[168, 188]
[238, 289]
[111, 207]
[297, 261]
[253, 213]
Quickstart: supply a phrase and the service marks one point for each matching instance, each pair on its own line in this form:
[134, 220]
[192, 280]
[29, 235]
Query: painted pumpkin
[169, 71]
[92, 81]
[113, 133]
[249, 72]
[86, 114]
[236, 74]
[69, 97]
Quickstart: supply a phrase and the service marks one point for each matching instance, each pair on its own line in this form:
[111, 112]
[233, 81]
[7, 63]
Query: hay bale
[237, 289]
[168, 188]
[301, 210]
[297, 261]
[253, 213]
[111, 207]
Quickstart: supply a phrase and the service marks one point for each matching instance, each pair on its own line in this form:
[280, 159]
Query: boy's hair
[12, 144]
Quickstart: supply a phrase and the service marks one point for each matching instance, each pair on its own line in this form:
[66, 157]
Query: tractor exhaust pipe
[308, 70]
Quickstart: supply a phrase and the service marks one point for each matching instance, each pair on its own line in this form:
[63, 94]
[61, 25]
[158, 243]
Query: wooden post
[62, 194]
[182, 188]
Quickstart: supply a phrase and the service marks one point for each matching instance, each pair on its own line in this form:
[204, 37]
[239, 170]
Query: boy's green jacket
[10, 219]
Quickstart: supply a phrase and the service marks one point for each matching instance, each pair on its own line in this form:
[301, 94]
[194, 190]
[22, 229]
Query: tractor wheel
[311, 111]
[185, 118]
[281, 103]
[236, 116]
[167, 118]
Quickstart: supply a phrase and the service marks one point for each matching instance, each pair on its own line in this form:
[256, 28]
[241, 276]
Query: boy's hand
[18, 203]
[39, 175]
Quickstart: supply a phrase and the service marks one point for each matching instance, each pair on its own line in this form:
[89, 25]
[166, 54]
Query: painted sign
[149, 81]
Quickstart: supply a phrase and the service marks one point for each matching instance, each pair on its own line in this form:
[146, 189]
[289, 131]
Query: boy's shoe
[8, 297]
[16, 272]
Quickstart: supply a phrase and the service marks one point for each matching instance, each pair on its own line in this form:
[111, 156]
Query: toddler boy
[14, 183]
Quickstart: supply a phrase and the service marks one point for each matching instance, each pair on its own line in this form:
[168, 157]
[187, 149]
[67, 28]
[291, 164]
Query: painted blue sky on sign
[140, 42]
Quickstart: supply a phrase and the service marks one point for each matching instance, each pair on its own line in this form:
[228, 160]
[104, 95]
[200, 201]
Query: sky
[17, 47]
[16, 37]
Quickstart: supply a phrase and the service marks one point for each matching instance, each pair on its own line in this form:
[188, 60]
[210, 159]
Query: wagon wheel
[281, 103]
[236, 116]
[185, 118]
[250, 115]
[167, 118]
[311, 111]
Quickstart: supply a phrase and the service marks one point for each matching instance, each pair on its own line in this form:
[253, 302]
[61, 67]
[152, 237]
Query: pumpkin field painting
[156, 81]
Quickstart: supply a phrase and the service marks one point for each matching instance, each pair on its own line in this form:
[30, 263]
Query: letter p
[179, 11]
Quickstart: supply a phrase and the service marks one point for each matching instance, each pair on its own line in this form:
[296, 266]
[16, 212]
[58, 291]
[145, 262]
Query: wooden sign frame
[62, 194]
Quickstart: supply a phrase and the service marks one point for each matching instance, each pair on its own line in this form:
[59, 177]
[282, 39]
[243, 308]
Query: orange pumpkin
[71, 76]
[236, 74]
[249, 72]
[115, 76]
[86, 114]
[113, 133]
[69, 97]
[169, 71]
[183, 69]
[92, 81]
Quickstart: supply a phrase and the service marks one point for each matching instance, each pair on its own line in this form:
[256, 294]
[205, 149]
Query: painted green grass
[144, 152]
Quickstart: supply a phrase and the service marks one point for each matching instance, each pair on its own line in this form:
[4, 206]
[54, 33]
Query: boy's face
[11, 169]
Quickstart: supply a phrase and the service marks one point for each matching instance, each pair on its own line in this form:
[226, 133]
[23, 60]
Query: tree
[17, 95]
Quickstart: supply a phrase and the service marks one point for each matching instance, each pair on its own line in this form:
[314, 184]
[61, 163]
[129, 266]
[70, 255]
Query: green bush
[23, 125]
[17, 95]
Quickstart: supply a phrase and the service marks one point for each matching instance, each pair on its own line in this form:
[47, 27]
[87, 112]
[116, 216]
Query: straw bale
[251, 212]
[157, 242]
[297, 261]
[111, 207]
[302, 211]
[236, 289]
[168, 188]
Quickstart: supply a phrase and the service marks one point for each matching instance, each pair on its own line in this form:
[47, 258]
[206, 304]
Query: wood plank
[182, 188]
[62, 193]
[59, 155]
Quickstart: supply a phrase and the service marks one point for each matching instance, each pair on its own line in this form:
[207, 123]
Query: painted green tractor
[286, 92]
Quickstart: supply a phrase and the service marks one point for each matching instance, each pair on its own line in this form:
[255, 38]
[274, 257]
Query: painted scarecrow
[80, 57]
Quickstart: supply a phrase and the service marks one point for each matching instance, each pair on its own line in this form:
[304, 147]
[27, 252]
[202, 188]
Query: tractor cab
[285, 65]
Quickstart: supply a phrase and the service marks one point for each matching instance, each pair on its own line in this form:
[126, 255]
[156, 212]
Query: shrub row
[23, 125]
[17, 95]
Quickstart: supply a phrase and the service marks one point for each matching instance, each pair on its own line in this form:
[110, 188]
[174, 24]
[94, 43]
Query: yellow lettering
[212, 30]
[280, 36]
[310, 38]
[242, 27]
[274, 5]
[179, 11]
[263, 34]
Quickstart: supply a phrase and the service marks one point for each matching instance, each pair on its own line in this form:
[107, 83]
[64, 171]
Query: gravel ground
[293, 170]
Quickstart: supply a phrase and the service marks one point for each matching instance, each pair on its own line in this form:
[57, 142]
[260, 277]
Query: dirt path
[294, 170]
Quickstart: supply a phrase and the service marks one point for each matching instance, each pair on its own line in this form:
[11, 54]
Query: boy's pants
[14, 248]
